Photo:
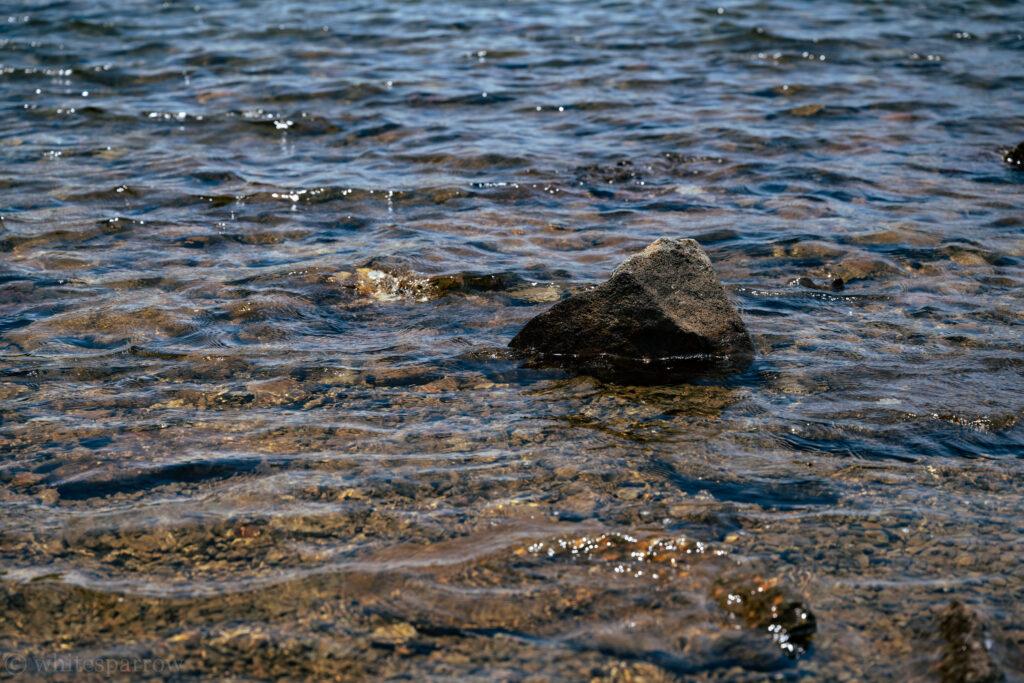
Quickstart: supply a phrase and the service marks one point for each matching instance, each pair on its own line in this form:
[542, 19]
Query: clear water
[260, 262]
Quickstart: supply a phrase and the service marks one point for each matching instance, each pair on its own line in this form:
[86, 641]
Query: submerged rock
[1015, 157]
[663, 313]
[836, 284]
[966, 657]
[764, 604]
[392, 284]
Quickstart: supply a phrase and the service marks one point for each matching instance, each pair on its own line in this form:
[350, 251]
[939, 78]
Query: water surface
[261, 260]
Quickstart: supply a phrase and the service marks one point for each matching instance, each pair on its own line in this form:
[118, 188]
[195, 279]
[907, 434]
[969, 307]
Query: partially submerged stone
[1015, 157]
[836, 284]
[662, 315]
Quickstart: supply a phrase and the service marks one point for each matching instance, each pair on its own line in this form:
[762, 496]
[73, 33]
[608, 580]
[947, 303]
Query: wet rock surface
[835, 284]
[662, 315]
[1015, 157]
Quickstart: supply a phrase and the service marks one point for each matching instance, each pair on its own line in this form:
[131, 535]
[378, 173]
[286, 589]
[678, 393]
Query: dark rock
[835, 284]
[765, 605]
[473, 282]
[1015, 157]
[792, 627]
[965, 658]
[661, 315]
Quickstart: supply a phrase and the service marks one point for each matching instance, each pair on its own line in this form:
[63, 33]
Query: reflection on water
[261, 262]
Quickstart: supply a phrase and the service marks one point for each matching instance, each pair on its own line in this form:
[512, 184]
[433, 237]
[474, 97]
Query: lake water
[260, 262]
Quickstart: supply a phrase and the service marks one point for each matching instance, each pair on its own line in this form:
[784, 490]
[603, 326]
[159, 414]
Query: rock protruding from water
[1015, 157]
[662, 315]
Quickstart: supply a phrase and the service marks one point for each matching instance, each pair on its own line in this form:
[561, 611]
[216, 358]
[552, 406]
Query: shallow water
[261, 260]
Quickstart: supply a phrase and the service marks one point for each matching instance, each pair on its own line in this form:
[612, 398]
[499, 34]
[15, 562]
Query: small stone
[835, 284]
[627, 493]
[439, 386]
[862, 268]
[967, 258]
[277, 391]
[661, 315]
[23, 479]
[401, 632]
[1015, 157]
[49, 496]
[806, 110]
[538, 294]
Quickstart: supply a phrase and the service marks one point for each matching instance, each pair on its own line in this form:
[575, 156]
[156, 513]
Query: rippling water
[260, 262]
